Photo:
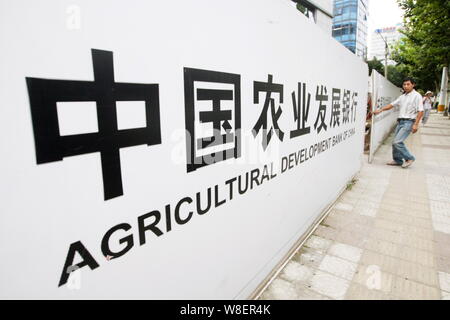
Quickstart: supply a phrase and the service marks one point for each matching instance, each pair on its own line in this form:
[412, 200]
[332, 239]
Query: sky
[383, 13]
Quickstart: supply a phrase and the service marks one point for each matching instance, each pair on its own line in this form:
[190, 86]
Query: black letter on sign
[177, 211]
[51, 146]
[321, 97]
[142, 227]
[88, 260]
[301, 111]
[223, 116]
[346, 106]
[354, 105]
[268, 87]
[336, 108]
[128, 240]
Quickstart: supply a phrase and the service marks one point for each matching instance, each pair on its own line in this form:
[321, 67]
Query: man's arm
[419, 115]
[388, 107]
[416, 124]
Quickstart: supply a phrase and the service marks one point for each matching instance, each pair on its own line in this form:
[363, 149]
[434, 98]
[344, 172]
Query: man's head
[408, 84]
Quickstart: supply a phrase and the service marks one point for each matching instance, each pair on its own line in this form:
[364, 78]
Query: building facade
[350, 25]
[318, 11]
[377, 46]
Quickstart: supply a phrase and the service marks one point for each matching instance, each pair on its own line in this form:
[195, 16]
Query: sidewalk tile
[308, 257]
[296, 272]
[359, 292]
[444, 281]
[417, 256]
[329, 285]
[280, 290]
[318, 243]
[443, 264]
[408, 289]
[326, 232]
[346, 252]
[412, 271]
[386, 263]
[383, 247]
[373, 278]
[352, 238]
[305, 293]
[338, 267]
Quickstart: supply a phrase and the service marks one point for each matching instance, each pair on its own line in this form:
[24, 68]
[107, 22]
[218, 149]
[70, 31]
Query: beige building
[377, 45]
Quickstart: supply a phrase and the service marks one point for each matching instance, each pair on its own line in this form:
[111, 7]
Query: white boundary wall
[383, 92]
[147, 240]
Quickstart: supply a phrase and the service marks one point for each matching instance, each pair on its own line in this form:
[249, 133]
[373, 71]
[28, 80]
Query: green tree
[426, 48]
[375, 64]
[395, 75]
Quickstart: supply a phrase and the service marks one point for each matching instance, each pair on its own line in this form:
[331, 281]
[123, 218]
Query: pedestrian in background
[411, 111]
[427, 103]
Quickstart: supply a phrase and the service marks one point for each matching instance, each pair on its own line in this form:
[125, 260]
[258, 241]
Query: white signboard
[382, 93]
[166, 150]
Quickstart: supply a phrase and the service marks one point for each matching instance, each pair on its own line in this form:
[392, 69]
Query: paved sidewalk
[388, 237]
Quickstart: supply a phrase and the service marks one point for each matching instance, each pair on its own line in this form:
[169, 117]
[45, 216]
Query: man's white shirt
[426, 103]
[410, 104]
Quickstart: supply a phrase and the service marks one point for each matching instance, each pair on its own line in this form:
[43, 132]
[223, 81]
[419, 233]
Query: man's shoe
[407, 163]
[393, 163]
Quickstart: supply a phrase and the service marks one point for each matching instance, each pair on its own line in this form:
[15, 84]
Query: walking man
[411, 111]
[426, 106]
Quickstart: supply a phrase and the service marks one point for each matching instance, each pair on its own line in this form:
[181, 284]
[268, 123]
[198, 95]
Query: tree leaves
[426, 48]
